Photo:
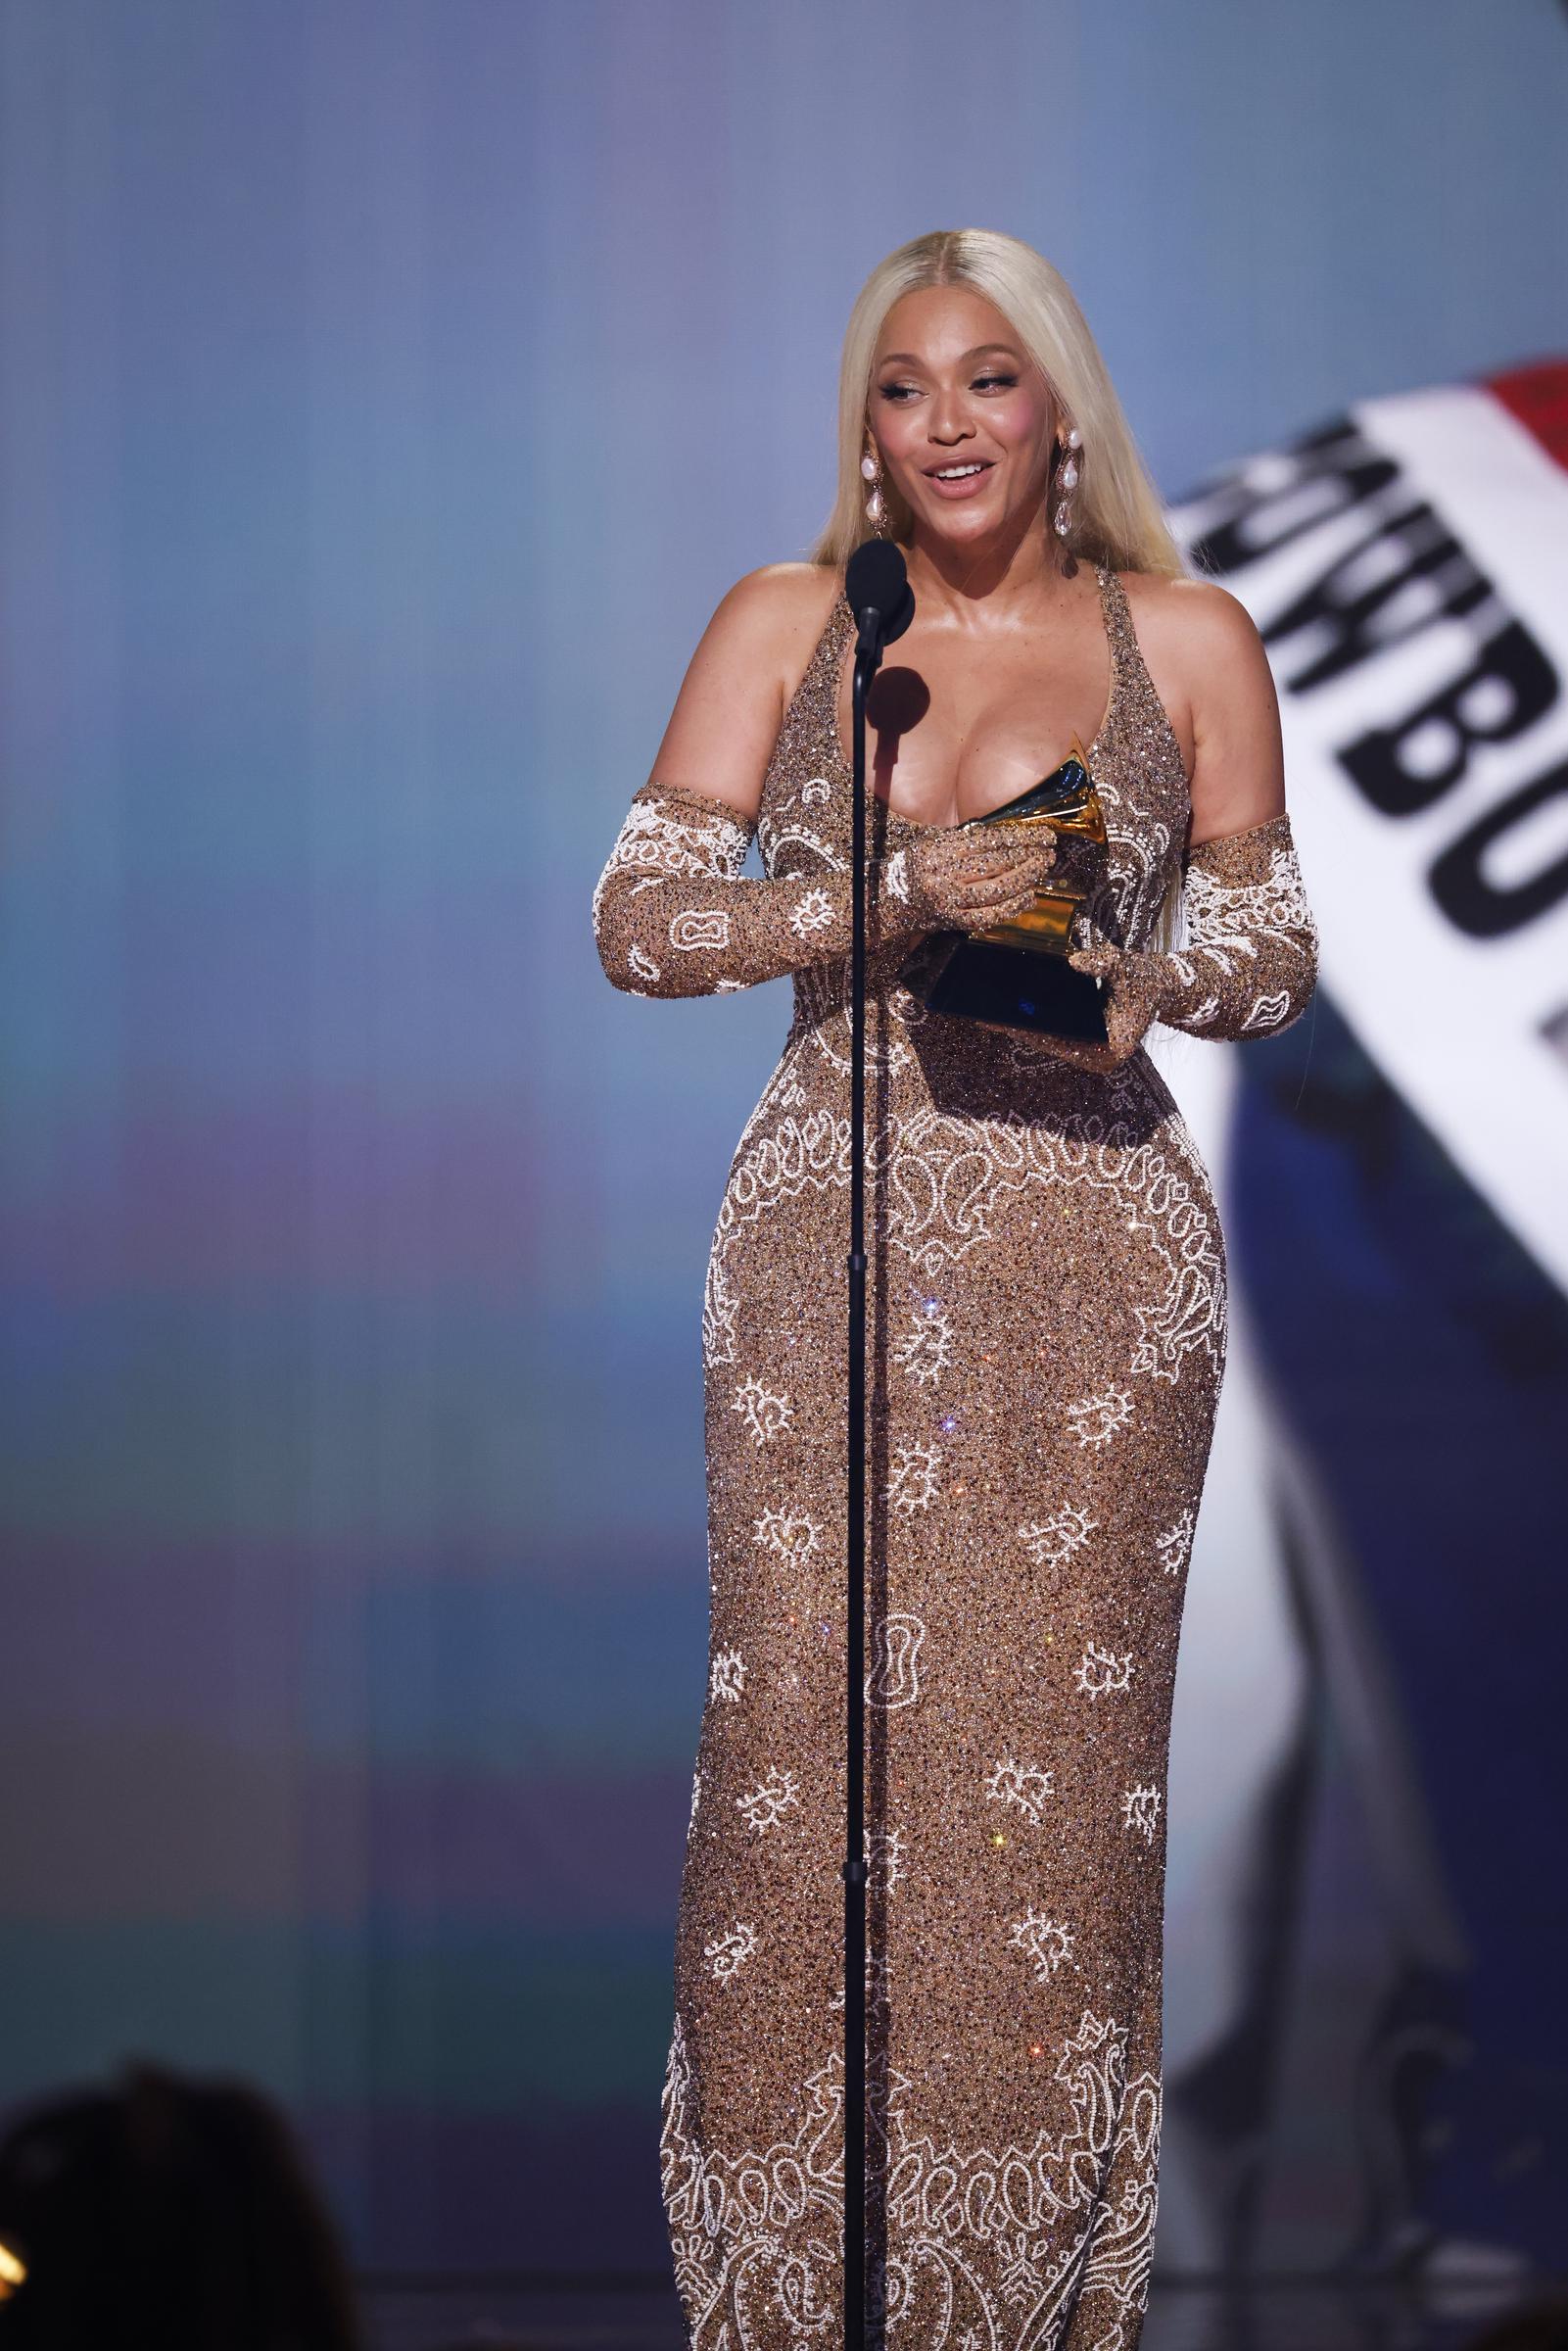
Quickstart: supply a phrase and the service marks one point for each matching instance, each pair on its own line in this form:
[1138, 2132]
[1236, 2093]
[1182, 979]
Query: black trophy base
[1010, 987]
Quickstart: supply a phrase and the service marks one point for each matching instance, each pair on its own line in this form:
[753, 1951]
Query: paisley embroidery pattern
[994, 2246]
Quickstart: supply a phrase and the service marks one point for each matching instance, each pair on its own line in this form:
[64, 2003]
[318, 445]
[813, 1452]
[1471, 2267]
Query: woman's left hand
[1135, 984]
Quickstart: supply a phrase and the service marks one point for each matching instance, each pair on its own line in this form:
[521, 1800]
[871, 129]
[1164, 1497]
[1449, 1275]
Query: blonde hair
[1117, 517]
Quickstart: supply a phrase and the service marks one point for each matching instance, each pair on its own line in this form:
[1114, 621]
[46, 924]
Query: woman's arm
[673, 915]
[1248, 964]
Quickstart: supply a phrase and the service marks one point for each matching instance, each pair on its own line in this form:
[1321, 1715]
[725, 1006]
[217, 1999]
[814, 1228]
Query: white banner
[1408, 568]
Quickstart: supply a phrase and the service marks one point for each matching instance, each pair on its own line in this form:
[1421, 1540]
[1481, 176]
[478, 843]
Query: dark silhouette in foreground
[166, 2211]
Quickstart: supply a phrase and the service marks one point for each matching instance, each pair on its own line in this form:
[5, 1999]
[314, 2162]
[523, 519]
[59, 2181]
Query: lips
[964, 485]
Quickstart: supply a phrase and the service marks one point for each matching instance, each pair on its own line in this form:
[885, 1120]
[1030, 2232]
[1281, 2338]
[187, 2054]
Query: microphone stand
[878, 591]
[867, 656]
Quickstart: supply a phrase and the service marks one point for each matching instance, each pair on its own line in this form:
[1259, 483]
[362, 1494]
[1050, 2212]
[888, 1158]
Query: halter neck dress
[1045, 1343]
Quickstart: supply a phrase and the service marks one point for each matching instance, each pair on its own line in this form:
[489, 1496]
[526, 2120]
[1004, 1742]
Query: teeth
[955, 473]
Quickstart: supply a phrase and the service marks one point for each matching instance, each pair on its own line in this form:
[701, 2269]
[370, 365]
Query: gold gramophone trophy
[1016, 974]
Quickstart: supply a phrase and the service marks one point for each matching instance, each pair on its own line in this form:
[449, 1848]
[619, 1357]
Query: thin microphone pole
[855, 1841]
[876, 587]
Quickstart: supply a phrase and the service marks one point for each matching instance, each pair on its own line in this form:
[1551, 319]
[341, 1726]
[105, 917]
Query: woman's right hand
[961, 879]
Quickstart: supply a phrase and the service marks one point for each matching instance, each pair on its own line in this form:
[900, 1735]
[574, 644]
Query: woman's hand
[954, 878]
[1136, 987]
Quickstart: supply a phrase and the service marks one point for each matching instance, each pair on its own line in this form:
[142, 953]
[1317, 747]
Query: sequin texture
[1045, 1342]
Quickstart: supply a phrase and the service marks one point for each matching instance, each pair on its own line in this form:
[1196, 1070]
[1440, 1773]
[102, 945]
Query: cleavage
[932, 772]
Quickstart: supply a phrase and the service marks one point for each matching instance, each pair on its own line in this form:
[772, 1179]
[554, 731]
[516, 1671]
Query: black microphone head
[874, 575]
[876, 578]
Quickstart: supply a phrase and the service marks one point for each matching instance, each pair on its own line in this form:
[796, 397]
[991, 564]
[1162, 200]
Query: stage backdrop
[389, 392]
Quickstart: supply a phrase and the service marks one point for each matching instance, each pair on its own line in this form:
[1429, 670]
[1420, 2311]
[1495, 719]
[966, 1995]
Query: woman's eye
[898, 393]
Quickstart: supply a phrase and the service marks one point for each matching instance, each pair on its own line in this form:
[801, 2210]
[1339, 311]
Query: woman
[1046, 1332]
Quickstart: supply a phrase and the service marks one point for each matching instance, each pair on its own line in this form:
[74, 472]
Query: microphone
[878, 592]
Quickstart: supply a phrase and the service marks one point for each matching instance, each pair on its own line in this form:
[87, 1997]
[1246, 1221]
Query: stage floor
[1279, 2316]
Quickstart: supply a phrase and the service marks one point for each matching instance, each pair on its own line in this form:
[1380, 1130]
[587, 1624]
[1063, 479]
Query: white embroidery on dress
[1004, 2240]
[792, 1536]
[893, 1680]
[764, 1805]
[1221, 957]
[772, 1162]
[728, 1677]
[720, 1307]
[1104, 1669]
[822, 1012]
[813, 912]
[1275, 906]
[927, 1346]
[765, 1412]
[1230, 924]
[1140, 1810]
[945, 1178]
[1046, 1941]
[775, 837]
[1175, 1544]
[663, 839]
[729, 1951]
[1268, 1011]
[700, 926]
[1095, 1418]
[1023, 1783]
[913, 1484]
[1051, 1541]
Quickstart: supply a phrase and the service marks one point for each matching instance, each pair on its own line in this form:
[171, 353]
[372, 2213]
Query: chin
[967, 525]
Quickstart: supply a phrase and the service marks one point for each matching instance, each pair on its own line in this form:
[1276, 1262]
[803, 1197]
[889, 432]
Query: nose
[948, 422]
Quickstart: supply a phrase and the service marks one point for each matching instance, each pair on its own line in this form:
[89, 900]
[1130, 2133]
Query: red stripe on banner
[1538, 395]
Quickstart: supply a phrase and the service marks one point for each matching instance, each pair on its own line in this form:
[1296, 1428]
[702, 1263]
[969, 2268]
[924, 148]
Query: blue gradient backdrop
[389, 392]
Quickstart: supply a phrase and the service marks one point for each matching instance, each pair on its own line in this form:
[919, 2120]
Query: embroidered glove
[675, 916]
[1249, 963]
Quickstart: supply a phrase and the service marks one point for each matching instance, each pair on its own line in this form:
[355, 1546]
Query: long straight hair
[1117, 517]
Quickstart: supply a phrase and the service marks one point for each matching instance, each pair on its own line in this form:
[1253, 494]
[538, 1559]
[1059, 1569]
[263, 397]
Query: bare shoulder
[779, 609]
[1202, 649]
[1212, 671]
[750, 658]
[1192, 620]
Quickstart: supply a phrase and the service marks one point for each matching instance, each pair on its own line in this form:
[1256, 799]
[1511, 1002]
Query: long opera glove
[675, 916]
[1249, 965]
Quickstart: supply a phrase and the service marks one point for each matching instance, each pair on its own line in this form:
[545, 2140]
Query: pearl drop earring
[871, 469]
[1067, 482]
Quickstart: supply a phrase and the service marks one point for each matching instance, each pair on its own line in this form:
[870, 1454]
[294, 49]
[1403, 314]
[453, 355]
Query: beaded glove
[1250, 962]
[675, 916]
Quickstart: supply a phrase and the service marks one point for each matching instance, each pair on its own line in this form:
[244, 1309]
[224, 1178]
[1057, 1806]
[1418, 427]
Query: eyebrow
[910, 360]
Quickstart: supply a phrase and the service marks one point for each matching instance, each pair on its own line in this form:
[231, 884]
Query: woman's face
[952, 387]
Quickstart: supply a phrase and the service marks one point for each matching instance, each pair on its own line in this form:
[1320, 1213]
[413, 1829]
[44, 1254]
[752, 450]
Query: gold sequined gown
[1046, 1335]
